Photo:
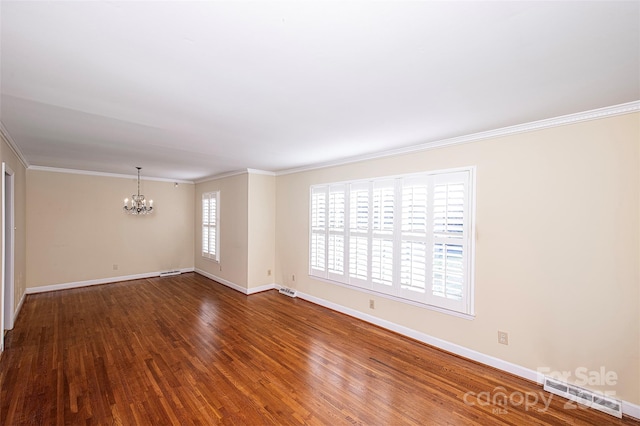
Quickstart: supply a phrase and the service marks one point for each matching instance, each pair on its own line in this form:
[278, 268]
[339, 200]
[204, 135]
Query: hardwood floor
[185, 350]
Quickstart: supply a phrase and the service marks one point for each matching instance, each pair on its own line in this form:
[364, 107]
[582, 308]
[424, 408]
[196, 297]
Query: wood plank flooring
[187, 351]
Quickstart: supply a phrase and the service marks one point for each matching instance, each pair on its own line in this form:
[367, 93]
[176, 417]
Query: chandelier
[138, 203]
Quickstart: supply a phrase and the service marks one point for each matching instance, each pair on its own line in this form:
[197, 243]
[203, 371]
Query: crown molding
[12, 144]
[595, 114]
[222, 176]
[104, 174]
[260, 172]
[626, 108]
[236, 173]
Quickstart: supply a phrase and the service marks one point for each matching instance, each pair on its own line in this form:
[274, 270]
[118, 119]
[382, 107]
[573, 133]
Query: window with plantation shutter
[210, 225]
[359, 226]
[318, 237]
[450, 245]
[336, 231]
[382, 241]
[407, 237]
[413, 237]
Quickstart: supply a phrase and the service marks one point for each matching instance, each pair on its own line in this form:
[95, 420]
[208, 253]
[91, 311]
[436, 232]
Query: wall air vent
[287, 291]
[583, 396]
[169, 273]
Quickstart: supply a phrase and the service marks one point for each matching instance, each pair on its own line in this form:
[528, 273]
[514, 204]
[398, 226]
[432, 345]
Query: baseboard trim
[222, 281]
[631, 410]
[17, 311]
[87, 283]
[236, 287]
[430, 340]
[260, 289]
[628, 408]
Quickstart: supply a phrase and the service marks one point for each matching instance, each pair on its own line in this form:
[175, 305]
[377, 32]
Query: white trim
[610, 111]
[399, 175]
[631, 410]
[104, 174]
[469, 317]
[2, 247]
[628, 408]
[562, 120]
[222, 281]
[234, 286]
[425, 338]
[77, 284]
[236, 173]
[20, 303]
[260, 172]
[8, 239]
[261, 288]
[223, 175]
[12, 144]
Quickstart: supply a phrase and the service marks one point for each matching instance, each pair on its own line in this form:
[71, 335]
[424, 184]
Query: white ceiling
[193, 89]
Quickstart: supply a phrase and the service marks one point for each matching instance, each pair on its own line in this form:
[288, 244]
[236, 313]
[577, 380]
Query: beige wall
[77, 231]
[247, 229]
[262, 229]
[557, 251]
[233, 229]
[9, 157]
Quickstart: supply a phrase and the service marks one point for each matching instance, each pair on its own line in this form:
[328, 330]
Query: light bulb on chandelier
[138, 204]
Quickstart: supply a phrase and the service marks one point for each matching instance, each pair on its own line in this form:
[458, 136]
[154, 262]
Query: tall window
[405, 236]
[211, 225]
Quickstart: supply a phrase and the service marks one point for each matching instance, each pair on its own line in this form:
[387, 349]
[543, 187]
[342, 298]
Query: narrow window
[211, 225]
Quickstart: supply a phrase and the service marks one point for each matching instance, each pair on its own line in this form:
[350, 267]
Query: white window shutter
[359, 234]
[407, 237]
[318, 237]
[210, 225]
[336, 231]
[382, 242]
[450, 243]
[414, 247]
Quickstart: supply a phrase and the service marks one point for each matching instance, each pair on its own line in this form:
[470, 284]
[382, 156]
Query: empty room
[320, 212]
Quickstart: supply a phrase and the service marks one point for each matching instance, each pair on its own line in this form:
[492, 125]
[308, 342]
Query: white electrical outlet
[372, 304]
[503, 337]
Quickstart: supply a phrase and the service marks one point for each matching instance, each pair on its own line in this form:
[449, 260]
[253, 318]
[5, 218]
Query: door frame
[8, 250]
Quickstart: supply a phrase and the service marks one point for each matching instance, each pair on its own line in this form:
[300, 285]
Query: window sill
[397, 299]
[210, 259]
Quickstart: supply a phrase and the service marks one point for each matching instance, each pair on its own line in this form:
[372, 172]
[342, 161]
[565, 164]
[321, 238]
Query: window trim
[465, 309]
[207, 254]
